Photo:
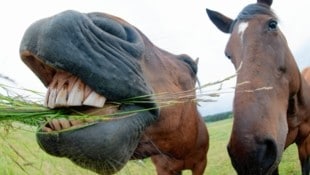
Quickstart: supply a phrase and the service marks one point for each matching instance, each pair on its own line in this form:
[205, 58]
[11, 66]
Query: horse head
[95, 63]
[268, 82]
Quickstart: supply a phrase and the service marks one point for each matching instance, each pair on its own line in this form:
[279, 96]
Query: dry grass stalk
[18, 104]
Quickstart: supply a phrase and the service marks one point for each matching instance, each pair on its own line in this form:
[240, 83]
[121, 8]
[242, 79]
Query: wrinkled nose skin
[260, 157]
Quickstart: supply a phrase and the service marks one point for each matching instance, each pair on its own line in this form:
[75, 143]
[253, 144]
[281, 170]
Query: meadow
[20, 154]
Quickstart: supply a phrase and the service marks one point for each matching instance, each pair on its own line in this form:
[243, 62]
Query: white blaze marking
[241, 29]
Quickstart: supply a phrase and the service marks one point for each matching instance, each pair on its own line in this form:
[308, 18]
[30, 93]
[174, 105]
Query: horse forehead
[241, 28]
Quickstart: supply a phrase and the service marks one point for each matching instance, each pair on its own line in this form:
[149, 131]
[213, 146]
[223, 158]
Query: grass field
[20, 155]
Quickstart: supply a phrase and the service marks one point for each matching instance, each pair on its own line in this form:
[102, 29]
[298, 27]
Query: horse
[99, 64]
[271, 105]
[306, 73]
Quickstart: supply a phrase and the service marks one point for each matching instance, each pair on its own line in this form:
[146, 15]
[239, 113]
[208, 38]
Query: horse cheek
[282, 132]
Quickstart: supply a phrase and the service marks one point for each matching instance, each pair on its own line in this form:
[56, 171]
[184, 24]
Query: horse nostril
[266, 153]
[255, 156]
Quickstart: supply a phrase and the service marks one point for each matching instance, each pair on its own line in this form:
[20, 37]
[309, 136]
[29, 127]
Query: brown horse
[306, 74]
[99, 64]
[271, 105]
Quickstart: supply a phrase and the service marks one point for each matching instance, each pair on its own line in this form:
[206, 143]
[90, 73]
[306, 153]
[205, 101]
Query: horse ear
[197, 60]
[220, 21]
[267, 2]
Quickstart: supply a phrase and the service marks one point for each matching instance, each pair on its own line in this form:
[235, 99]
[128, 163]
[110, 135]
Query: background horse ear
[267, 2]
[220, 21]
[197, 60]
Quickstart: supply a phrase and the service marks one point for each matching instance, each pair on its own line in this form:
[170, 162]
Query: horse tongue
[67, 90]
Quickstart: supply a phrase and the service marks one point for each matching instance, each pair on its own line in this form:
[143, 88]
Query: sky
[178, 26]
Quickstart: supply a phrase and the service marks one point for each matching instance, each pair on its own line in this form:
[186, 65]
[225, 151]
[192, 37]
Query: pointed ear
[220, 21]
[197, 60]
[267, 2]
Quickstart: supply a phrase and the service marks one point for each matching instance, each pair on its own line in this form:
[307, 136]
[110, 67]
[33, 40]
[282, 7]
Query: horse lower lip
[100, 143]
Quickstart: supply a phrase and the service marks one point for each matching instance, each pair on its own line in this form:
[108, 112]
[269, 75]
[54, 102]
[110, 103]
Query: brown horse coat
[306, 74]
[272, 99]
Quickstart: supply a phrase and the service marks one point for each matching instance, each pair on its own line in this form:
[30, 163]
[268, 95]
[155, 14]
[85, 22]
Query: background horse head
[306, 73]
[94, 62]
[270, 105]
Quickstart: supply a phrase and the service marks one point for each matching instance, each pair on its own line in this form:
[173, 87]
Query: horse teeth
[95, 100]
[76, 95]
[67, 90]
[46, 97]
[51, 98]
[64, 123]
[61, 99]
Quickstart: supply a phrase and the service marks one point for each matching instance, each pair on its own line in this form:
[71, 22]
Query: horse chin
[101, 146]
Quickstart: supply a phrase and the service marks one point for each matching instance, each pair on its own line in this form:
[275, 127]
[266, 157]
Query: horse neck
[304, 100]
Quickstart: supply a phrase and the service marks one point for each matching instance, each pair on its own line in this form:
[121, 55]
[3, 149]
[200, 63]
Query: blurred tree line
[217, 117]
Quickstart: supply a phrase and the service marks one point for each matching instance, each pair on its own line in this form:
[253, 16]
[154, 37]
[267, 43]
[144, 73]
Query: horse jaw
[104, 147]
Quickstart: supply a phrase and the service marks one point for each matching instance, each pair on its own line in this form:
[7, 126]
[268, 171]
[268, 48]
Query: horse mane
[252, 10]
[255, 9]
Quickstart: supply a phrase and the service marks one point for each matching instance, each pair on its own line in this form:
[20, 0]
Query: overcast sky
[178, 26]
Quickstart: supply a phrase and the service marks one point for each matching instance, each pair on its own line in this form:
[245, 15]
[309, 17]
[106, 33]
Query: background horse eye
[272, 25]
[228, 55]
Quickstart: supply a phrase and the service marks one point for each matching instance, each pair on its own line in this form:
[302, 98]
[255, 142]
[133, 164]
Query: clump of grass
[15, 107]
[26, 106]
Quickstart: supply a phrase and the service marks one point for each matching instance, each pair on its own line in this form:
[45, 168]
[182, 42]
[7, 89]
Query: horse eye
[228, 55]
[272, 25]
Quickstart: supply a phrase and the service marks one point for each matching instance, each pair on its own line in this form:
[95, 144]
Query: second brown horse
[272, 99]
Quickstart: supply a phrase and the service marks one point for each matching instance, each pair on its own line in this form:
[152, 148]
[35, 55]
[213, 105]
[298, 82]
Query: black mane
[251, 11]
[255, 9]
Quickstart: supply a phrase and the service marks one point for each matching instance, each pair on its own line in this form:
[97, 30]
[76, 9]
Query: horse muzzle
[256, 157]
